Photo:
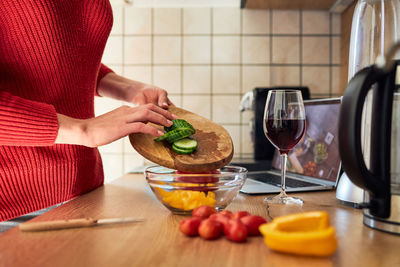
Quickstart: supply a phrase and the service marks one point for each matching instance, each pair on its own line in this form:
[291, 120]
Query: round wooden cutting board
[215, 148]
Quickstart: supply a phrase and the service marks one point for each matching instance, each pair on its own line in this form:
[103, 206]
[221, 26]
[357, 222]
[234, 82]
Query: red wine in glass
[284, 126]
[285, 134]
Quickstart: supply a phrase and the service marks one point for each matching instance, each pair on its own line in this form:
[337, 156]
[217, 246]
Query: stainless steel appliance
[374, 29]
[380, 176]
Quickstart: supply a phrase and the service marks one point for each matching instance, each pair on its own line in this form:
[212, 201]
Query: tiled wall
[207, 58]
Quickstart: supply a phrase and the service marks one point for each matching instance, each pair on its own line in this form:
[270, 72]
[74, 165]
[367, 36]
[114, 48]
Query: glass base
[282, 198]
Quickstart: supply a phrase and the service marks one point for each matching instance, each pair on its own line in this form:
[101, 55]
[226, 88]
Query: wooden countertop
[158, 242]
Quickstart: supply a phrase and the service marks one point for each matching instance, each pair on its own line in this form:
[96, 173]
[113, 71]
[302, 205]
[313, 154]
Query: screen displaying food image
[317, 155]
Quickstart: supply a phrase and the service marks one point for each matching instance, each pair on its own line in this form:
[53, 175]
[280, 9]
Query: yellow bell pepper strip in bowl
[307, 233]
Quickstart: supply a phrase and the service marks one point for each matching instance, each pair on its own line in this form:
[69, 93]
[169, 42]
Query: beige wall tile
[104, 104]
[196, 49]
[197, 104]
[226, 79]
[118, 69]
[285, 22]
[255, 21]
[317, 79]
[285, 76]
[128, 149]
[226, 20]
[138, 73]
[168, 77]
[246, 143]
[196, 79]
[225, 109]
[315, 22]
[254, 76]
[255, 49]
[167, 20]
[246, 116]
[114, 147]
[234, 132]
[336, 90]
[132, 161]
[113, 51]
[226, 49]
[112, 165]
[197, 20]
[176, 99]
[167, 49]
[335, 50]
[137, 20]
[315, 50]
[285, 50]
[137, 50]
[336, 23]
[118, 20]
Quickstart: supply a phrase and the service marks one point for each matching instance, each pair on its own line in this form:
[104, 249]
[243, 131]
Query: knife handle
[55, 225]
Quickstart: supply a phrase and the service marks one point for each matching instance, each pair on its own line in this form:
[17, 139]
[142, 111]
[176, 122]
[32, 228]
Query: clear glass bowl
[183, 192]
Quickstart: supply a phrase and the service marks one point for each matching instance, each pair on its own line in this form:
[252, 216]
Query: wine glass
[284, 126]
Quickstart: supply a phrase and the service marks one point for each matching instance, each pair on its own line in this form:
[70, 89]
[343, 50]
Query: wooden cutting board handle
[215, 147]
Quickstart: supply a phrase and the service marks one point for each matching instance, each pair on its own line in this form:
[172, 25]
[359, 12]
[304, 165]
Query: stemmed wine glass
[284, 126]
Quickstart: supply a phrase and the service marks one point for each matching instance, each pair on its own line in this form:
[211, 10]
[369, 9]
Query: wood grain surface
[158, 242]
[215, 148]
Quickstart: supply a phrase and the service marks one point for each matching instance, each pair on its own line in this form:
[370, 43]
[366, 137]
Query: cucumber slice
[179, 123]
[186, 144]
[182, 151]
[160, 138]
[175, 135]
[178, 134]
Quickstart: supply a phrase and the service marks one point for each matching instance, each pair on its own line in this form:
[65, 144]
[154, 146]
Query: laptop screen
[317, 154]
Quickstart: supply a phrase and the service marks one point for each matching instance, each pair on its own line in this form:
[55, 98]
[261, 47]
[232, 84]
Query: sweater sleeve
[25, 122]
[102, 72]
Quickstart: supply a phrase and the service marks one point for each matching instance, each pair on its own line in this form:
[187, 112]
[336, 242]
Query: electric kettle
[380, 176]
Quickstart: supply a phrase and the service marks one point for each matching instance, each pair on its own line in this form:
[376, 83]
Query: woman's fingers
[140, 127]
[161, 111]
[163, 99]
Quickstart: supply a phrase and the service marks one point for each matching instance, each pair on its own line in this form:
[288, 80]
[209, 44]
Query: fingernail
[174, 116]
[165, 104]
[169, 122]
[160, 133]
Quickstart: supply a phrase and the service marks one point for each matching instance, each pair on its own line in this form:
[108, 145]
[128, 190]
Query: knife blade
[74, 223]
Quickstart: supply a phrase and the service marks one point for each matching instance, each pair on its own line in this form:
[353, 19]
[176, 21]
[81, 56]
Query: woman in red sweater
[50, 71]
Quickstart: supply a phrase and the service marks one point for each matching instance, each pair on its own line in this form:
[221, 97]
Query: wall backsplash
[207, 58]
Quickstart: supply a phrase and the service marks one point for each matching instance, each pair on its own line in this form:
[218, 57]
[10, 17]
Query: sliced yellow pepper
[307, 233]
[187, 199]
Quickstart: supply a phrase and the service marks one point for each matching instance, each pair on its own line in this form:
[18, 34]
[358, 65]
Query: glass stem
[283, 172]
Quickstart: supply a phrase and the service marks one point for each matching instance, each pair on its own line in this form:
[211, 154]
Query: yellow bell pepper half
[307, 233]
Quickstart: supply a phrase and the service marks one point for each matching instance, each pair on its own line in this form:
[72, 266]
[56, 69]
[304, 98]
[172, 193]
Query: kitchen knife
[73, 223]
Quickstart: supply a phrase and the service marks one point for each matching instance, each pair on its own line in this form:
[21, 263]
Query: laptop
[313, 164]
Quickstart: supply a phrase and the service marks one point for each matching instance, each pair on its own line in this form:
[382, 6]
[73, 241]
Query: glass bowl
[182, 192]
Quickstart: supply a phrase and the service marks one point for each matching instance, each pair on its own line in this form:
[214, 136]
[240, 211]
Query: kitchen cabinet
[158, 242]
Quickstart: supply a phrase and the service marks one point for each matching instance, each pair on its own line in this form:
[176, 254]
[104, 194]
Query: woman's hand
[135, 92]
[150, 94]
[112, 126]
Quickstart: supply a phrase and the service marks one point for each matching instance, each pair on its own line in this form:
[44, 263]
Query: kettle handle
[376, 180]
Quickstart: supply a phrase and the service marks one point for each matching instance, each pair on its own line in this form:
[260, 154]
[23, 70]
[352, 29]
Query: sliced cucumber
[186, 144]
[178, 124]
[160, 138]
[178, 134]
[181, 151]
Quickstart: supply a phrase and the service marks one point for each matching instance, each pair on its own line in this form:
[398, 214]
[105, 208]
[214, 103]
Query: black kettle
[376, 179]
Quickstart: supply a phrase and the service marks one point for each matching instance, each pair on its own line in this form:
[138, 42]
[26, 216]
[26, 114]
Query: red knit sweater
[50, 62]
